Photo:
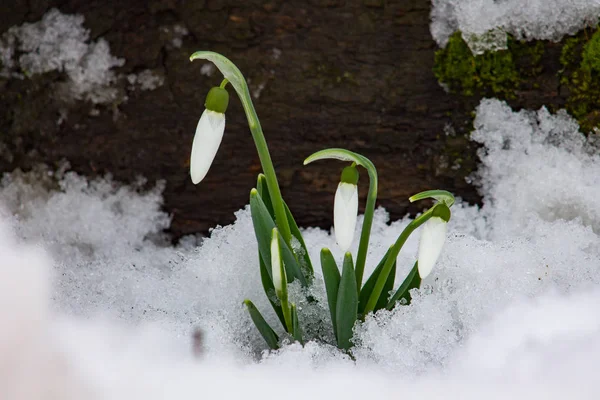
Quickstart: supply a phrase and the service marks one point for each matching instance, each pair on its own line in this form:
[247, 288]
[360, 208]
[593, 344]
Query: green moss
[591, 53]
[503, 73]
[571, 51]
[580, 58]
[528, 57]
[492, 73]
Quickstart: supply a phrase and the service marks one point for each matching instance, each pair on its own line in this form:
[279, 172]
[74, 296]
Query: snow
[145, 80]
[485, 23]
[59, 42]
[207, 69]
[95, 302]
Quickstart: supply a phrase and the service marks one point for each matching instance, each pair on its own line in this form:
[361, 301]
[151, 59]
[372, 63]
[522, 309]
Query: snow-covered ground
[95, 304]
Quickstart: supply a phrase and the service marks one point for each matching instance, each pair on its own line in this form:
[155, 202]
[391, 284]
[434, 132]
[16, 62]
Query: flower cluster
[280, 263]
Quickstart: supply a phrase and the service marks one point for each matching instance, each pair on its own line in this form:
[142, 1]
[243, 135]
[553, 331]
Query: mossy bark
[564, 75]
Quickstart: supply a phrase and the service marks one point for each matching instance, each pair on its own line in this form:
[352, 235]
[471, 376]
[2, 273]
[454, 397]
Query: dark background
[354, 74]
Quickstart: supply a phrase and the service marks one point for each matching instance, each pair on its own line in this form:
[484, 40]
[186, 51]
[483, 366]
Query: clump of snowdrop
[283, 255]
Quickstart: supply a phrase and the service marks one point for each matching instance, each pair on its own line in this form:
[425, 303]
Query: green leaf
[367, 288]
[263, 190]
[302, 256]
[296, 331]
[412, 281]
[263, 327]
[270, 290]
[389, 286]
[443, 196]
[347, 304]
[263, 226]
[331, 276]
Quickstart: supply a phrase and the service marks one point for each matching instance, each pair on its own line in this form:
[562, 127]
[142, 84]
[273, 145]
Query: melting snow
[484, 23]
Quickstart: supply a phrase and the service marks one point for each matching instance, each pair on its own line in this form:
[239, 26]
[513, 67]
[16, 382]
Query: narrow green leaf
[302, 253]
[270, 291]
[263, 226]
[296, 331]
[263, 327]
[389, 286]
[347, 304]
[331, 276]
[263, 190]
[367, 289]
[412, 281]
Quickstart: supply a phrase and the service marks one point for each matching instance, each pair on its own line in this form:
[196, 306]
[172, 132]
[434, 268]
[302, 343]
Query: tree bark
[324, 73]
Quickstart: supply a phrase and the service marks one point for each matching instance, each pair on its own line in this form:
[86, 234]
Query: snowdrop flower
[432, 239]
[345, 208]
[209, 133]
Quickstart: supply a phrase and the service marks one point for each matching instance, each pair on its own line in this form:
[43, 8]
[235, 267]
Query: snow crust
[59, 42]
[485, 23]
[509, 311]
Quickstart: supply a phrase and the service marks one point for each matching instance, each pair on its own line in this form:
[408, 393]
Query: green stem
[235, 77]
[268, 169]
[365, 233]
[394, 251]
[363, 246]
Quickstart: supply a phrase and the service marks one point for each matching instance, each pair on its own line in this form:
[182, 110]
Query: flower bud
[345, 209]
[209, 133]
[433, 238]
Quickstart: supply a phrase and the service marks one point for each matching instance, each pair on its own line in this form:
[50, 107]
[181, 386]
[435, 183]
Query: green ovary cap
[350, 174]
[217, 100]
[442, 211]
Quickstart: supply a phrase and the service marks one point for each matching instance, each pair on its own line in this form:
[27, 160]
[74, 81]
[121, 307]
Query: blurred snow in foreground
[484, 23]
[510, 311]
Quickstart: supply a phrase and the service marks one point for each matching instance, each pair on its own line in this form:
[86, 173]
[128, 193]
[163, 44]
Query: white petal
[209, 134]
[345, 210]
[433, 237]
[276, 263]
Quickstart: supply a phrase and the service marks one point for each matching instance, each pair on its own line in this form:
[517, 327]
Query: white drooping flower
[345, 208]
[209, 133]
[207, 140]
[433, 237]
